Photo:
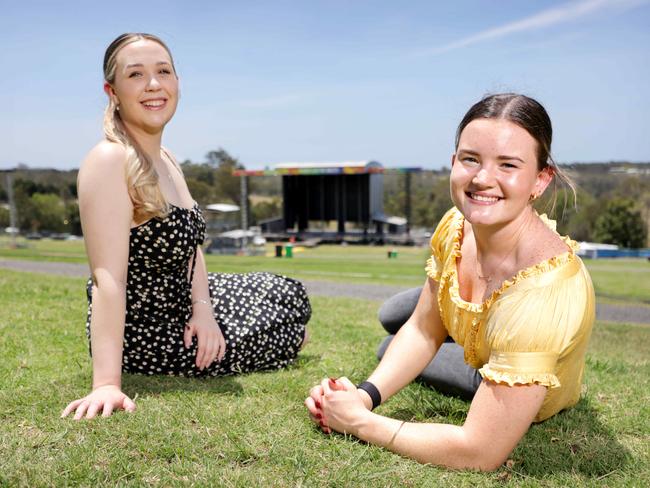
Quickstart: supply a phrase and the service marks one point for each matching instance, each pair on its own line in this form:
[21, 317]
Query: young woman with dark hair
[505, 313]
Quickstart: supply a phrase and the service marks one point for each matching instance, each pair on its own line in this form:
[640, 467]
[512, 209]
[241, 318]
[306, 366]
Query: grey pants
[447, 372]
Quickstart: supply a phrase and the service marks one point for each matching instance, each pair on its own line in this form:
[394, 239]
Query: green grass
[252, 430]
[622, 281]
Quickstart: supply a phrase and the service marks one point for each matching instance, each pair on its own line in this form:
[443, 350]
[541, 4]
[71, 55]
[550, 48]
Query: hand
[106, 398]
[342, 405]
[211, 344]
[330, 388]
[314, 406]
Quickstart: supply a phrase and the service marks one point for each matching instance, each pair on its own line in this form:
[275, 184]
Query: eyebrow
[502, 157]
[140, 65]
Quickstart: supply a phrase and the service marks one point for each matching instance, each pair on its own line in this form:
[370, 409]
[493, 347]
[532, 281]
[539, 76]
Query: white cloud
[545, 18]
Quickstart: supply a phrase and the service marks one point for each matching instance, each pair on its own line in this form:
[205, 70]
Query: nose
[484, 176]
[153, 84]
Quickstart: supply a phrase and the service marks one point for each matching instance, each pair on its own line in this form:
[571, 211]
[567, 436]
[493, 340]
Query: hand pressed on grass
[103, 398]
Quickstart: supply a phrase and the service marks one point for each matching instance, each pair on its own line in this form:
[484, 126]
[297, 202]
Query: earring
[533, 197]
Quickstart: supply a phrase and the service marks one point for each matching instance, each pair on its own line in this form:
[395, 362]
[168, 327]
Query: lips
[154, 103]
[478, 197]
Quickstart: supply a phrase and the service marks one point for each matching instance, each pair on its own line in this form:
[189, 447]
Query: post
[12, 207]
[407, 201]
[243, 201]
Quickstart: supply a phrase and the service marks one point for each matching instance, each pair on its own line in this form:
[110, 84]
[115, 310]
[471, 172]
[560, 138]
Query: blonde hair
[141, 177]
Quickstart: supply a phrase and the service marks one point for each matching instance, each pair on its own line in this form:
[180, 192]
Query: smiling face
[145, 86]
[495, 171]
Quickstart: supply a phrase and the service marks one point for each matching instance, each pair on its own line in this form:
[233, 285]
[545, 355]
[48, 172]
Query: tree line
[612, 201]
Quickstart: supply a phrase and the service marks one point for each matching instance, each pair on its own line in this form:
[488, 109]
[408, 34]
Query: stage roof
[326, 168]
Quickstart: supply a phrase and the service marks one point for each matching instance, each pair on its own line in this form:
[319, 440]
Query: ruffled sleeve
[442, 243]
[537, 322]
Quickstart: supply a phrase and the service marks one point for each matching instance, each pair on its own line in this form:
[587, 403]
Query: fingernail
[319, 416]
[322, 424]
[317, 403]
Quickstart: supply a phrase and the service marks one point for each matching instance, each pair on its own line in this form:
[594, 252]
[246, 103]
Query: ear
[544, 179]
[108, 89]
[453, 158]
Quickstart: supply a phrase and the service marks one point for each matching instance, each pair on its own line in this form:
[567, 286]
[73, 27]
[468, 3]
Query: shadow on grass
[223, 385]
[156, 385]
[575, 441]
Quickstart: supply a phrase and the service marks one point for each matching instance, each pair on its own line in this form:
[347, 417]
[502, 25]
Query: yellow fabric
[533, 329]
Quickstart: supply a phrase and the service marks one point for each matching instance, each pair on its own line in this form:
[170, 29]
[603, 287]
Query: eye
[469, 160]
[165, 71]
[134, 74]
[509, 165]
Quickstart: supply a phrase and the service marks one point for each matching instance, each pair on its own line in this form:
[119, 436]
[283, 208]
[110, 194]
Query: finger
[108, 409]
[71, 406]
[128, 405]
[210, 350]
[200, 353]
[312, 409]
[222, 348]
[345, 384]
[325, 384]
[317, 394]
[81, 410]
[187, 336]
[93, 409]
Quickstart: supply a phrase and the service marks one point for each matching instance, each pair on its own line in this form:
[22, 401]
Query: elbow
[484, 457]
[488, 461]
[107, 285]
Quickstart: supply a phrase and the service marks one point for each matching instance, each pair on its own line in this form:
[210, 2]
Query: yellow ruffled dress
[533, 329]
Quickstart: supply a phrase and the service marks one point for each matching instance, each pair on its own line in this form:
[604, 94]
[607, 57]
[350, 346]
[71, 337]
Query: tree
[45, 211]
[224, 164]
[621, 224]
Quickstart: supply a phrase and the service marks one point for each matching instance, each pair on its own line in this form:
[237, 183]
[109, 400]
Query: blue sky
[282, 81]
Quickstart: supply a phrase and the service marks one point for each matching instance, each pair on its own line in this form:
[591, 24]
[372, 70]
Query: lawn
[624, 281]
[252, 430]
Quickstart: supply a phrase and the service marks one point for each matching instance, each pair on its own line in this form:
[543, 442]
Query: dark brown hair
[531, 116]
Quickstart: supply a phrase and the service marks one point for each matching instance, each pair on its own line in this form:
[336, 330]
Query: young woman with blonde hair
[153, 308]
[509, 291]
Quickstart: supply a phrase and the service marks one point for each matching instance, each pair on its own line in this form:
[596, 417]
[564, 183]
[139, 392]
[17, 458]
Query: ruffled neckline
[534, 270]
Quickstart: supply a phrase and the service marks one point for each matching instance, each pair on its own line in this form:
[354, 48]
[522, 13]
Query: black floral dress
[262, 316]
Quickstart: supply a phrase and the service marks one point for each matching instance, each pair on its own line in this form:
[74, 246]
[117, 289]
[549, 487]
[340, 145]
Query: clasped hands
[336, 404]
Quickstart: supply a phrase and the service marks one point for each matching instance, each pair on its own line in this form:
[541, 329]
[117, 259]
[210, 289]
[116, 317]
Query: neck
[149, 142]
[499, 240]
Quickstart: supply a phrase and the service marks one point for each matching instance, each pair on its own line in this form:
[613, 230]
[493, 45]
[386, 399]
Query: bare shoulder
[104, 156]
[102, 173]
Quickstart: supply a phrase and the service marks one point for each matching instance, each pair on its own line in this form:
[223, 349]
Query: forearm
[439, 444]
[107, 333]
[410, 351]
[201, 301]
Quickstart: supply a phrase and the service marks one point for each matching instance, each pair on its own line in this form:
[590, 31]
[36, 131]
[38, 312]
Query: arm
[498, 418]
[412, 348]
[211, 343]
[106, 213]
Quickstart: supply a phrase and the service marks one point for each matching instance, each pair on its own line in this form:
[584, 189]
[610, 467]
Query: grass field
[625, 281]
[252, 430]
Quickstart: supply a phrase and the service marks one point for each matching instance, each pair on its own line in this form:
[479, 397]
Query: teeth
[153, 103]
[482, 198]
